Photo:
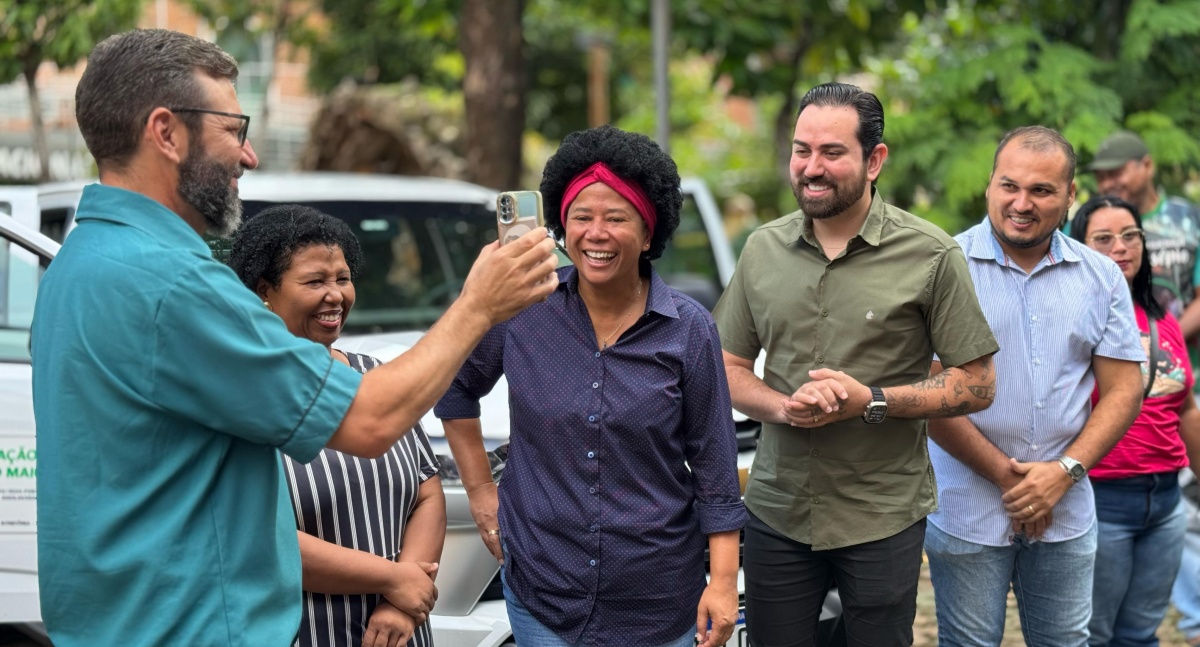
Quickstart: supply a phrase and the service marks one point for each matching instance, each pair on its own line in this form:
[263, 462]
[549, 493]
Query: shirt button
[595, 385]
[815, 452]
[591, 454]
[1037, 362]
[597, 353]
[589, 596]
[820, 359]
[824, 312]
[1033, 318]
[591, 418]
[592, 528]
[1041, 405]
[592, 562]
[816, 499]
[591, 490]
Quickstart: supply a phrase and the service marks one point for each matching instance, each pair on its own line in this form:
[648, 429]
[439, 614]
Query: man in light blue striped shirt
[1015, 506]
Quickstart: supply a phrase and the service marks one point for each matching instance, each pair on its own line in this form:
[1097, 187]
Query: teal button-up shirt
[162, 390]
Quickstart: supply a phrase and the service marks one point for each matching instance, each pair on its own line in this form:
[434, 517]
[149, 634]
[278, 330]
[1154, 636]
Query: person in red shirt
[1138, 502]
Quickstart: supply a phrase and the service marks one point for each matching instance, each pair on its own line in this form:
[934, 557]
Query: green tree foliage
[386, 41]
[709, 138]
[775, 49]
[242, 23]
[965, 76]
[58, 31]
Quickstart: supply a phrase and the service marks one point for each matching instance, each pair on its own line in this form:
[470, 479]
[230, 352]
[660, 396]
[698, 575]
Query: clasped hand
[414, 592]
[1036, 489]
[389, 627]
[831, 396]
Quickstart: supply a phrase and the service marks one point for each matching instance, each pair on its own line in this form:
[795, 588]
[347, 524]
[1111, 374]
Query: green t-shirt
[1173, 242]
[899, 293]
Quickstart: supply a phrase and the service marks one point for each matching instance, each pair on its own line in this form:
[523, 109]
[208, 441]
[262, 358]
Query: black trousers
[786, 583]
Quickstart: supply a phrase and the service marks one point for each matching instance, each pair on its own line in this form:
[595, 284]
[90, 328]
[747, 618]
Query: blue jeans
[1142, 523]
[1186, 593]
[528, 632]
[1052, 583]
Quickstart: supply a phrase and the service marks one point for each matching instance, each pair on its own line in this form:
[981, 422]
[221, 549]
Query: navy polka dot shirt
[620, 462]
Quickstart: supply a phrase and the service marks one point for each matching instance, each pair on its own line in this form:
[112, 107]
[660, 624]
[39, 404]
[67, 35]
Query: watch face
[1077, 471]
[875, 413]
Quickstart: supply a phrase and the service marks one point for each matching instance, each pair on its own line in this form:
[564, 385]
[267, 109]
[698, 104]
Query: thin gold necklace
[636, 297]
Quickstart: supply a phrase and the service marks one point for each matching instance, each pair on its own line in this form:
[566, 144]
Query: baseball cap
[1118, 148]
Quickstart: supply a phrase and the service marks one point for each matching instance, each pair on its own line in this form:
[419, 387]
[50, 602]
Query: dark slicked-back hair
[1041, 139]
[633, 157]
[870, 111]
[1140, 289]
[265, 244]
[131, 74]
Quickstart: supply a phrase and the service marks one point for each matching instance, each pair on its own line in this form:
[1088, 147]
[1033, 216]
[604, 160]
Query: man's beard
[204, 184]
[1033, 240]
[844, 195]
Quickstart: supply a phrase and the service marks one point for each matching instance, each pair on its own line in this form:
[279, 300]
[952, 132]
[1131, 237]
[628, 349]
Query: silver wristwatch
[1073, 468]
[876, 409]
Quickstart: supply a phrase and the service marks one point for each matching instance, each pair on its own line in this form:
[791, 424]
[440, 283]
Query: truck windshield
[417, 257]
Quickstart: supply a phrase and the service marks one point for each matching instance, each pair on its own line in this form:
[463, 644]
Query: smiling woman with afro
[631, 156]
[622, 456]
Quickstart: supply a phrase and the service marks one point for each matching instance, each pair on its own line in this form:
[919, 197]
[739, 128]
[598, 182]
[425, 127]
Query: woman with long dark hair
[1138, 502]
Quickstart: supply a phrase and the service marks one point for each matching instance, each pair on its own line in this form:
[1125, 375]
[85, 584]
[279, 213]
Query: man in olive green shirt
[850, 298]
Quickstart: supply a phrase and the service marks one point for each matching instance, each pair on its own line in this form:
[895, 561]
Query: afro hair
[633, 157]
[265, 244]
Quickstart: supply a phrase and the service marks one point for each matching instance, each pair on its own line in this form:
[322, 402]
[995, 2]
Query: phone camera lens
[506, 209]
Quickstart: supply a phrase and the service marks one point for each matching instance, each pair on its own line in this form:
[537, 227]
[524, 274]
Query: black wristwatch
[876, 409]
[1072, 467]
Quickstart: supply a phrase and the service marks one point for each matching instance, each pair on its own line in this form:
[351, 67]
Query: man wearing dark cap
[1124, 168]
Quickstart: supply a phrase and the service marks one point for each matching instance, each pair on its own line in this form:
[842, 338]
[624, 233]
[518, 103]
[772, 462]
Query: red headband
[600, 172]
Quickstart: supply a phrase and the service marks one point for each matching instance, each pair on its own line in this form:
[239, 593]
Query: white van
[24, 256]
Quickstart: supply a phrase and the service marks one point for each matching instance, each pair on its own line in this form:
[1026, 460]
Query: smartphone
[518, 213]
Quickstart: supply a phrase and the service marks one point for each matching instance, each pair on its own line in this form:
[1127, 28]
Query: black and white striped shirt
[362, 504]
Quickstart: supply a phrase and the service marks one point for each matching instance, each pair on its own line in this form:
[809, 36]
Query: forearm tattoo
[954, 392]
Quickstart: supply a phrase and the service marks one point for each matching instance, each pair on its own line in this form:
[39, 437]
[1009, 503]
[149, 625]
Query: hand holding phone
[518, 213]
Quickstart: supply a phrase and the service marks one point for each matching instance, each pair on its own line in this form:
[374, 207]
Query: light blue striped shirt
[1073, 305]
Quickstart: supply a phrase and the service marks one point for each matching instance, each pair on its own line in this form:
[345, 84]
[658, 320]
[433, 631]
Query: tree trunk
[785, 120]
[493, 90]
[1110, 19]
[39, 127]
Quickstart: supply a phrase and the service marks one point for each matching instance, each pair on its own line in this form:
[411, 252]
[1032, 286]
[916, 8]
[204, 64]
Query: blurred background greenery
[485, 89]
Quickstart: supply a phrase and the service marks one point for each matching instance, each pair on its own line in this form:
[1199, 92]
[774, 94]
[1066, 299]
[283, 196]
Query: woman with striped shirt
[370, 530]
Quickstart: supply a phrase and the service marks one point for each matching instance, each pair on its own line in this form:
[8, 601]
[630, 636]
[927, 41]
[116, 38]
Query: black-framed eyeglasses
[242, 132]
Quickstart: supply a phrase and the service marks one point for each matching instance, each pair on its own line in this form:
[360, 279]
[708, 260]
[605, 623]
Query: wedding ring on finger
[1031, 510]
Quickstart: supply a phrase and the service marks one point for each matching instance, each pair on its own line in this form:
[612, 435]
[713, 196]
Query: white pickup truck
[419, 237]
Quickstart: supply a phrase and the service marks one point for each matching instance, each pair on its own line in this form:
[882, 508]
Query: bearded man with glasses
[164, 391]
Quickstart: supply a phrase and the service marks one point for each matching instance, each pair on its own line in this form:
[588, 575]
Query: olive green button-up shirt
[899, 293]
